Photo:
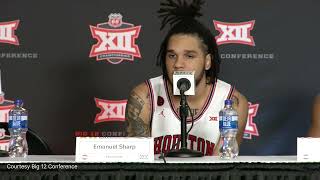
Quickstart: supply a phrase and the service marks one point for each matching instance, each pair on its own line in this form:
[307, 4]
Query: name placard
[308, 149]
[114, 149]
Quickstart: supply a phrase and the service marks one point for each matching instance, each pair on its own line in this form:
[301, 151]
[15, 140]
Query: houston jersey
[165, 122]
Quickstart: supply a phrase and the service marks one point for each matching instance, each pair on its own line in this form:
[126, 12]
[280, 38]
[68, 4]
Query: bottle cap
[228, 102]
[18, 102]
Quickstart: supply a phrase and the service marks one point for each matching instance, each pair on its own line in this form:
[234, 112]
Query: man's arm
[240, 104]
[314, 130]
[138, 112]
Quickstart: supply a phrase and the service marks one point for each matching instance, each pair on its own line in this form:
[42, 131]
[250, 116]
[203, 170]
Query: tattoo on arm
[235, 101]
[136, 126]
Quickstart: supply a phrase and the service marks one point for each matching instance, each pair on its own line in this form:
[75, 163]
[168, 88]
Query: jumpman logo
[162, 113]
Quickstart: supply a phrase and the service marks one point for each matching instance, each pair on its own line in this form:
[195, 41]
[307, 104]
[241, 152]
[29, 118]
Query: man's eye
[190, 56]
[171, 56]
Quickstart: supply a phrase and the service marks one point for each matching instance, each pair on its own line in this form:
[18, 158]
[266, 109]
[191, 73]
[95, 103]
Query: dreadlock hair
[181, 16]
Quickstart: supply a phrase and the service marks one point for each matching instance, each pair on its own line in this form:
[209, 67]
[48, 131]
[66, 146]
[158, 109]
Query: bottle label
[228, 122]
[18, 122]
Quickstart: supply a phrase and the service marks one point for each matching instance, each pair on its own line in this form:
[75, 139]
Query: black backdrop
[59, 82]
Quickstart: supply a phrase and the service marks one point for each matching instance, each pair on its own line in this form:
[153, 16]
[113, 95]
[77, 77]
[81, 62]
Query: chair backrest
[36, 145]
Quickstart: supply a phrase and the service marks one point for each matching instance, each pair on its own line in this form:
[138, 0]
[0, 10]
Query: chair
[36, 145]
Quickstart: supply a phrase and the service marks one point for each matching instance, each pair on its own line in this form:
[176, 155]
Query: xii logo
[116, 40]
[238, 33]
[7, 30]
[110, 110]
[251, 127]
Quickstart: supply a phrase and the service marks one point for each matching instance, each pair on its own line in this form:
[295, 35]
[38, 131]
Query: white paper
[114, 149]
[308, 149]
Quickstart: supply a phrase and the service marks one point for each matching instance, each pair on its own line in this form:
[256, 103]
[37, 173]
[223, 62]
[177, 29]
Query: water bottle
[18, 127]
[228, 126]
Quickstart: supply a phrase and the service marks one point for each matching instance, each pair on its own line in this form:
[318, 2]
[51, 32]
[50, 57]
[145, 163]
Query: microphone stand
[183, 151]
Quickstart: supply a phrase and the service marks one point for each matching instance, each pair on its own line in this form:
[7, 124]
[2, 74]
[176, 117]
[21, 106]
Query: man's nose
[179, 63]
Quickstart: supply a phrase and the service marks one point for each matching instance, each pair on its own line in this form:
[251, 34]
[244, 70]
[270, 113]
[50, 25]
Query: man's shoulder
[156, 79]
[141, 88]
[223, 83]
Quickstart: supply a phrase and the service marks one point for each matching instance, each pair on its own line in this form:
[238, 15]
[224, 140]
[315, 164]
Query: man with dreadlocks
[152, 109]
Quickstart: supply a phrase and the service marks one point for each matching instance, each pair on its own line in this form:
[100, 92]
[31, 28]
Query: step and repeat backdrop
[73, 63]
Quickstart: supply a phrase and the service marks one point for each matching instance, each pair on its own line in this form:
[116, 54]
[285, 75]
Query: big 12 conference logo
[4, 140]
[116, 40]
[4, 118]
[251, 127]
[238, 33]
[7, 32]
[111, 110]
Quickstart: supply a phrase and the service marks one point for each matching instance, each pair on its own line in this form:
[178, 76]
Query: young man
[152, 109]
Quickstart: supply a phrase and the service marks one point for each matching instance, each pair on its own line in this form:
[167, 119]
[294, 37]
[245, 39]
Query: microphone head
[183, 84]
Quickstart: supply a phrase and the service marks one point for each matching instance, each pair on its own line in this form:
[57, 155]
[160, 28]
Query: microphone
[183, 82]
[183, 85]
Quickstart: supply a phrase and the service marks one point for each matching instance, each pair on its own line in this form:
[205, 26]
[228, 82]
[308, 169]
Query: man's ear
[208, 62]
